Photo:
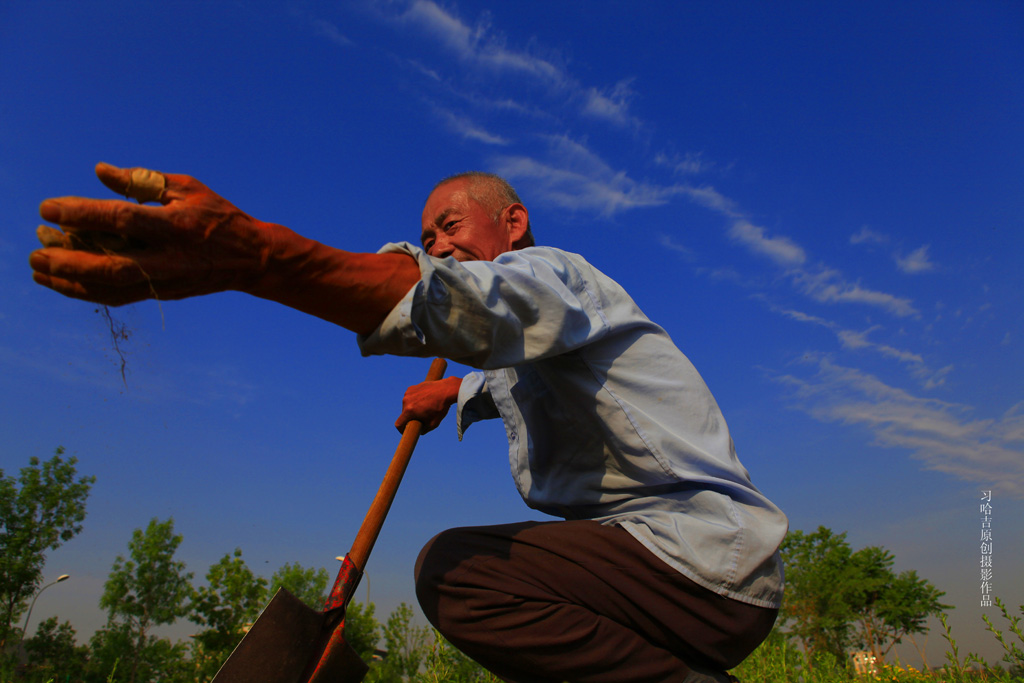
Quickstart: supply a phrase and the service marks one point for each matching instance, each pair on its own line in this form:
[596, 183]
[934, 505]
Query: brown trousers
[581, 602]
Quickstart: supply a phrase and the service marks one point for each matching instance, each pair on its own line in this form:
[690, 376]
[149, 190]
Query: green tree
[307, 584]
[406, 645]
[889, 607]
[148, 589]
[814, 608]
[116, 657]
[53, 654]
[867, 574]
[362, 631]
[837, 598]
[40, 510]
[229, 602]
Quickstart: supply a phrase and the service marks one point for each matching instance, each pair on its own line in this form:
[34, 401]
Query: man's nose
[442, 247]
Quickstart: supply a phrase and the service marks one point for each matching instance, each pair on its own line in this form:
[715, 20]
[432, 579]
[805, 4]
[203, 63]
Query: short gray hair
[493, 192]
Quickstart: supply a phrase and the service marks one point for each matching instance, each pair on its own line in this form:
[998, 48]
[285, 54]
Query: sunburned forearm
[353, 290]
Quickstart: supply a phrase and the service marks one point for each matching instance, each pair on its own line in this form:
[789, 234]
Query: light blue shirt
[606, 418]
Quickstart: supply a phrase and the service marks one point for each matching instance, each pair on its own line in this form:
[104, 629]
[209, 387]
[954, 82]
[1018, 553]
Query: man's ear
[518, 221]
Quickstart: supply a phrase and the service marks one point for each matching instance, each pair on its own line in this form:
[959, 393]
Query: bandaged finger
[52, 237]
[145, 185]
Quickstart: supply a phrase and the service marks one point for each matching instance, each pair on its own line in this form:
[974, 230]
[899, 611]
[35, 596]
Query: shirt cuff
[399, 334]
[475, 402]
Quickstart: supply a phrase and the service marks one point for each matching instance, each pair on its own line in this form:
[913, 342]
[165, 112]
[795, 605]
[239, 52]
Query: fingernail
[50, 210]
[39, 261]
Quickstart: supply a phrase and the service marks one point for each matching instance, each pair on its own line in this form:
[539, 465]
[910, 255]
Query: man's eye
[449, 226]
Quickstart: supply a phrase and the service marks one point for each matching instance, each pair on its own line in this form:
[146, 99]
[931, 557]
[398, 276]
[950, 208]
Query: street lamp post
[24, 630]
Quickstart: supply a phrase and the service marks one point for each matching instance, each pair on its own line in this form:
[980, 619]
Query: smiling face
[457, 224]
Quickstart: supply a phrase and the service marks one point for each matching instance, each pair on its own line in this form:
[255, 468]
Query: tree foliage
[148, 589]
[226, 605]
[119, 655]
[837, 599]
[897, 607]
[813, 609]
[53, 654]
[40, 510]
[362, 631]
[406, 645]
[307, 584]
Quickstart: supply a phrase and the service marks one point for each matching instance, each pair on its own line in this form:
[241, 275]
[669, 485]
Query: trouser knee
[429, 574]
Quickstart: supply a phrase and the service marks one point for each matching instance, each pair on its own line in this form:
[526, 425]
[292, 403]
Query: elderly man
[665, 567]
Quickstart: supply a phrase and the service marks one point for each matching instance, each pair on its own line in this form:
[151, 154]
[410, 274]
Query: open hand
[117, 252]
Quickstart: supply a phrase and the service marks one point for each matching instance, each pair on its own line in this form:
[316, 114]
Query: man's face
[456, 225]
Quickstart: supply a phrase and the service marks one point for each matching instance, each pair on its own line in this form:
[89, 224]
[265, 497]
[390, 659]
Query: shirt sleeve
[523, 306]
[475, 402]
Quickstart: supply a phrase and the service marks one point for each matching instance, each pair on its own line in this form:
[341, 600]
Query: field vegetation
[839, 602]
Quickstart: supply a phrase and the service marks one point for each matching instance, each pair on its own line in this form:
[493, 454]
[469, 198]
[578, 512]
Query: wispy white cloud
[845, 292]
[453, 33]
[423, 69]
[611, 105]
[800, 316]
[477, 99]
[468, 129]
[859, 340]
[853, 340]
[916, 261]
[942, 435]
[821, 283]
[708, 197]
[723, 274]
[575, 178]
[827, 285]
[868, 236]
[933, 379]
[576, 190]
[481, 48]
[331, 32]
[780, 250]
[477, 44]
[669, 243]
[687, 164]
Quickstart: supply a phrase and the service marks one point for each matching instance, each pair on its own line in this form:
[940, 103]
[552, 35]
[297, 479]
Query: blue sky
[821, 202]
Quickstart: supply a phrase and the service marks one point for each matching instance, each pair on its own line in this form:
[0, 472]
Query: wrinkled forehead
[445, 199]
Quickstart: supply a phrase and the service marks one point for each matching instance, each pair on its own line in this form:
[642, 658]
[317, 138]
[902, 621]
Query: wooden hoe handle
[374, 519]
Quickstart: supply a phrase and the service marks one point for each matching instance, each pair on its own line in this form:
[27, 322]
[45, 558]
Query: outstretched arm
[428, 402]
[195, 242]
